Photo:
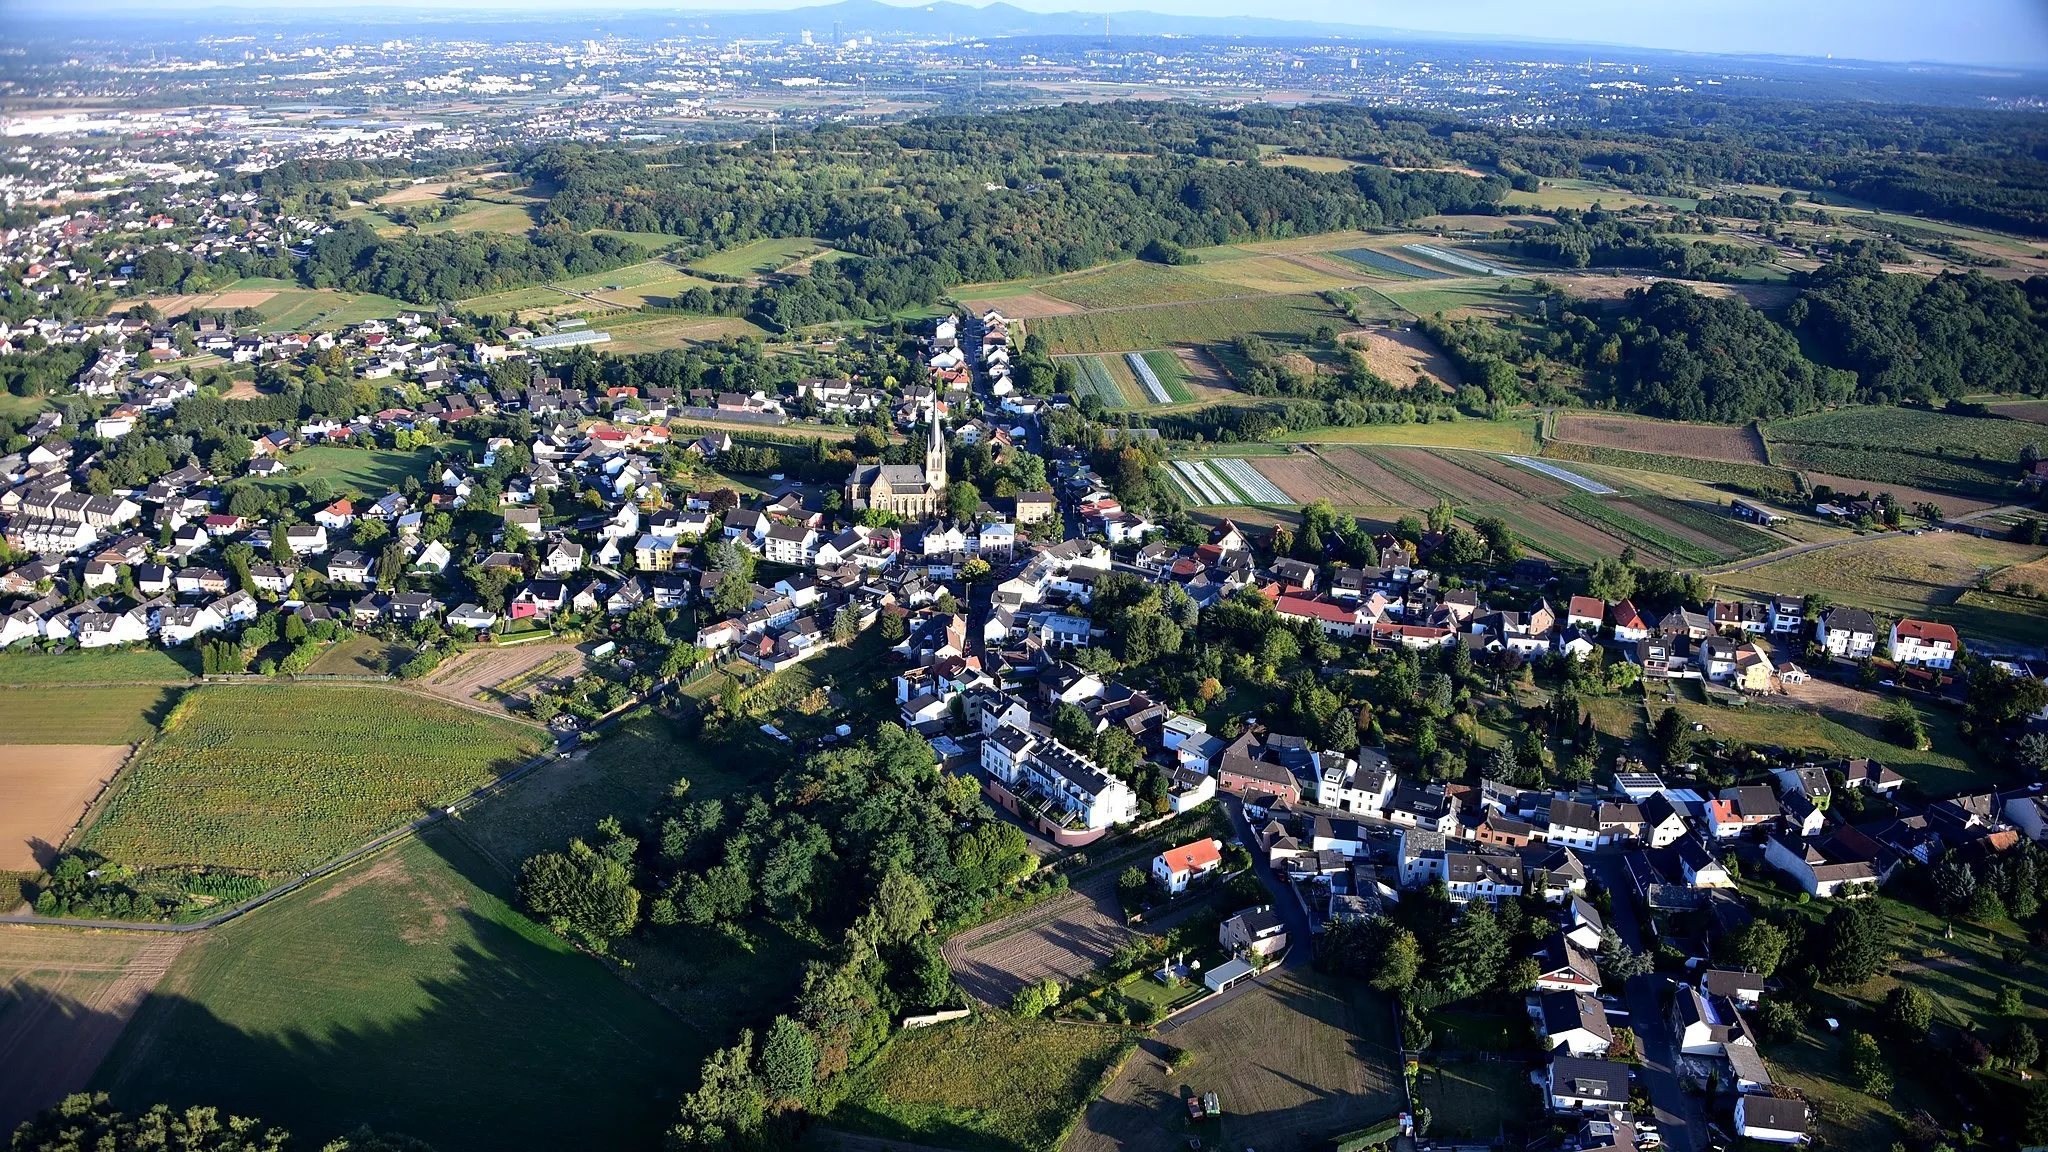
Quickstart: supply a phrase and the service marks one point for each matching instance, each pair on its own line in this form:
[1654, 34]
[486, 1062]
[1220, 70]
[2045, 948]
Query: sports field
[279, 778]
[405, 993]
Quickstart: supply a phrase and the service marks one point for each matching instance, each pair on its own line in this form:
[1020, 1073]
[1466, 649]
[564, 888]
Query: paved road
[1679, 1114]
[1300, 943]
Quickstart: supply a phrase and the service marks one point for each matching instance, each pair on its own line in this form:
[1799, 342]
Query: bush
[1036, 999]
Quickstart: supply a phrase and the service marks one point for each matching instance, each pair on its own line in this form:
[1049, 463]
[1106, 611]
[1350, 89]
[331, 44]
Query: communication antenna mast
[1105, 29]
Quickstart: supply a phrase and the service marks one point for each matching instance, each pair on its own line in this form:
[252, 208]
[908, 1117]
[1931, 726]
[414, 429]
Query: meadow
[303, 309]
[72, 714]
[407, 993]
[100, 665]
[989, 1083]
[279, 778]
[1206, 322]
[370, 472]
[660, 333]
[1496, 297]
[1513, 435]
[759, 257]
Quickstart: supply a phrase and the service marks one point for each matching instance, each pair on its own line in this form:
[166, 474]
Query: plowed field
[1371, 473]
[44, 789]
[1663, 437]
[1307, 478]
[1460, 484]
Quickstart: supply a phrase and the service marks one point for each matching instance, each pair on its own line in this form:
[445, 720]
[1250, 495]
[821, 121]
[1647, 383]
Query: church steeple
[935, 451]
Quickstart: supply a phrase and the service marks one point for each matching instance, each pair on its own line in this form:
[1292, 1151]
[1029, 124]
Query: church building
[908, 490]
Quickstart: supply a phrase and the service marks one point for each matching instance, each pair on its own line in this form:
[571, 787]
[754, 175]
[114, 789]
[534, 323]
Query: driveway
[1300, 939]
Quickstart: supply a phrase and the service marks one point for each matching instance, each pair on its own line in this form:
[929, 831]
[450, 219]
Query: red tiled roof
[1927, 632]
[1192, 857]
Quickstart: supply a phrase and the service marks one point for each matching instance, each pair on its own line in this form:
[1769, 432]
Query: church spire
[935, 451]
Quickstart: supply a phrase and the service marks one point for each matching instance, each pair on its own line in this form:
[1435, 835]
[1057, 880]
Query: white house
[1364, 785]
[1848, 632]
[1576, 1085]
[1925, 643]
[1820, 874]
[1573, 1021]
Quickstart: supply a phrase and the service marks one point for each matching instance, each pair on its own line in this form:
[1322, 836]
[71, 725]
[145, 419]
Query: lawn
[279, 778]
[758, 257]
[1203, 322]
[64, 714]
[404, 992]
[985, 1084]
[662, 333]
[77, 666]
[1477, 1101]
[1514, 435]
[359, 656]
[1927, 575]
[370, 472]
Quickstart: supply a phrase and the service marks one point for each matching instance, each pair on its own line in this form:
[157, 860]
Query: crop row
[1091, 378]
[1392, 266]
[1145, 378]
[1603, 513]
[1752, 477]
[1898, 466]
[1740, 537]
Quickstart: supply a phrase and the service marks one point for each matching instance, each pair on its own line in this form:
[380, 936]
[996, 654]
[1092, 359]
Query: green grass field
[279, 778]
[1947, 768]
[1427, 297]
[515, 219]
[299, 309]
[1957, 453]
[1172, 373]
[359, 656]
[1133, 282]
[1926, 576]
[368, 472]
[660, 333]
[1201, 323]
[1515, 435]
[98, 666]
[1092, 378]
[985, 1084]
[405, 993]
[759, 257]
[66, 714]
[631, 276]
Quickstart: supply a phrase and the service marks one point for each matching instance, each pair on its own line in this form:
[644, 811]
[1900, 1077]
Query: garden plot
[1556, 473]
[1065, 938]
[1092, 378]
[1146, 378]
[1390, 266]
[1248, 481]
[1309, 478]
[1456, 260]
[1207, 489]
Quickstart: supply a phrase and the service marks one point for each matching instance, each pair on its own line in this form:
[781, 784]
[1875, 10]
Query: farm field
[1311, 163]
[79, 666]
[1386, 264]
[1307, 478]
[514, 218]
[988, 1083]
[2032, 411]
[67, 714]
[64, 998]
[370, 472]
[1169, 370]
[279, 778]
[1303, 272]
[1573, 193]
[661, 333]
[489, 674]
[1327, 1063]
[1490, 296]
[300, 309]
[1064, 938]
[1207, 322]
[1092, 377]
[44, 790]
[382, 993]
[1949, 503]
[759, 257]
[1132, 282]
[1706, 471]
[1967, 455]
[1484, 435]
[1892, 575]
[1662, 437]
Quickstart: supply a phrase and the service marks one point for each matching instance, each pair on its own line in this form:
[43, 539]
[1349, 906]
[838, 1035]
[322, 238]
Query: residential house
[1573, 1021]
[1771, 1119]
[1563, 967]
[1823, 868]
[1576, 1085]
[1850, 633]
[1924, 643]
[1255, 932]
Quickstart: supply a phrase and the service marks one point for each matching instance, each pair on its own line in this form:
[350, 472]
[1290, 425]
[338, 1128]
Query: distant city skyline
[1986, 32]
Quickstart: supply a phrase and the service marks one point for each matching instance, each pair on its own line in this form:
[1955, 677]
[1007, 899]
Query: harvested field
[64, 999]
[1369, 471]
[1949, 503]
[1663, 437]
[1063, 938]
[1326, 1063]
[44, 789]
[1405, 357]
[1460, 484]
[63, 714]
[1307, 478]
[480, 673]
[1030, 305]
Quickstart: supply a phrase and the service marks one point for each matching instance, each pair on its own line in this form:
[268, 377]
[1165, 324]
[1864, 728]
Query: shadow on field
[49, 1045]
[394, 994]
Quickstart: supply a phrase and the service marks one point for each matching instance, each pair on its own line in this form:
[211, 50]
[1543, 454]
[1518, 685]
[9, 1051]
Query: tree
[2010, 1001]
[1758, 946]
[789, 1060]
[1036, 999]
[1611, 579]
[1855, 943]
[2019, 1047]
[1907, 1013]
[80, 1122]
[845, 625]
[581, 893]
[1673, 737]
[1954, 884]
[728, 1105]
[903, 906]
[1866, 1063]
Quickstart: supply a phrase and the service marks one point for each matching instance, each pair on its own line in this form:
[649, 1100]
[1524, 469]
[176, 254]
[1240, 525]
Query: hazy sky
[1958, 31]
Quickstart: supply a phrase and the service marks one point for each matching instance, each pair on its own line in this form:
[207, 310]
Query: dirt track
[65, 996]
[44, 789]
